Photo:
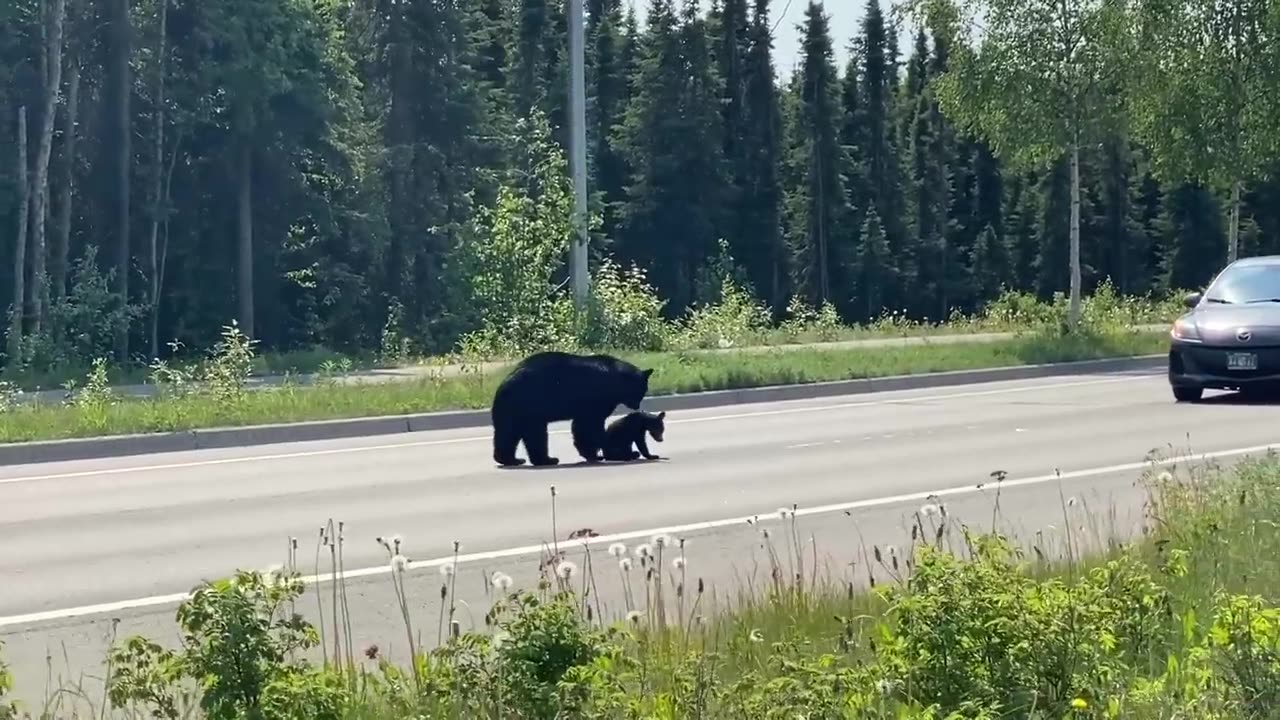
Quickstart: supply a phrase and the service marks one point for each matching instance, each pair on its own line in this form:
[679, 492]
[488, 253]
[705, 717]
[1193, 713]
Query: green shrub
[238, 648]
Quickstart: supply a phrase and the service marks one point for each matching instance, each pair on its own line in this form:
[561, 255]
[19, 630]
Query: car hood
[1240, 325]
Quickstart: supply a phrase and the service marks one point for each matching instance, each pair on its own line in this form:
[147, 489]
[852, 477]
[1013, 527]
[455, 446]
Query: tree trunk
[1073, 316]
[40, 208]
[1233, 228]
[20, 251]
[246, 236]
[62, 235]
[120, 89]
[157, 198]
[157, 284]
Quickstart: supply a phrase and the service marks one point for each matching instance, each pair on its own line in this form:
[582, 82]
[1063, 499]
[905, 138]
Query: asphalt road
[86, 542]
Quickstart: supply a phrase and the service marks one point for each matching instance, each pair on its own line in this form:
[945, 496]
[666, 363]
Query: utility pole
[578, 152]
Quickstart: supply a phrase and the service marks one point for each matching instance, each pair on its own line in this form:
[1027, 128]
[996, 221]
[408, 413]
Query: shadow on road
[583, 464]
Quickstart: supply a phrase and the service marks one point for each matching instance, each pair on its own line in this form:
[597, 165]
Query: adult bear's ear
[662, 414]
[646, 373]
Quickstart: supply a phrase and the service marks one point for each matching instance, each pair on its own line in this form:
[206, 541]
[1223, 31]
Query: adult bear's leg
[506, 439]
[536, 444]
[588, 436]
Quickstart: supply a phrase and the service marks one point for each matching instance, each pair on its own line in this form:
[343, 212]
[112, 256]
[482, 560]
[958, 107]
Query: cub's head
[655, 425]
[638, 388]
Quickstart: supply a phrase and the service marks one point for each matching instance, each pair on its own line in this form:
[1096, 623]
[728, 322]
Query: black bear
[550, 386]
[629, 430]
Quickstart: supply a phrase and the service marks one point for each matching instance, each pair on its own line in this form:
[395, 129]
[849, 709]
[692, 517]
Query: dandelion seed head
[399, 563]
[662, 540]
[1165, 476]
[448, 569]
[634, 616]
[501, 580]
[644, 550]
[784, 512]
[929, 510]
[678, 563]
[617, 549]
[566, 569]
[756, 636]
[625, 564]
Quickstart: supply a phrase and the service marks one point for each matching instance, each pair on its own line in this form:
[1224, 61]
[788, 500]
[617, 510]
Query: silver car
[1230, 338]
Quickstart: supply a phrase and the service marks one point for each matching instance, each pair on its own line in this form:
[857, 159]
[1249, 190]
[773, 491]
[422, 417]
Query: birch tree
[1037, 80]
[1205, 98]
[40, 199]
[20, 245]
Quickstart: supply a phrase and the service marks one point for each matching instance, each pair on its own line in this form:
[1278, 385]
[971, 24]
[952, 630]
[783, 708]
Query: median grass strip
[96, 411]
[735, 321]
[1178, 622]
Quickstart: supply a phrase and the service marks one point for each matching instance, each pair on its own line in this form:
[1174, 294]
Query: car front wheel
[1184, 393]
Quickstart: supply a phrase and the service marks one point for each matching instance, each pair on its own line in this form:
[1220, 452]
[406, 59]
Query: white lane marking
[604, 540]
[479, 438]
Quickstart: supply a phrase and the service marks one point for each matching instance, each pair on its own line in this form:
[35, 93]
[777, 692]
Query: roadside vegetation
[730, 345]
[1178, 622]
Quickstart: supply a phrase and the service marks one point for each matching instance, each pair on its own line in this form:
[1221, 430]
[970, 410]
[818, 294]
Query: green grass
[1012, 312]
[99, 413]
[1180, 622]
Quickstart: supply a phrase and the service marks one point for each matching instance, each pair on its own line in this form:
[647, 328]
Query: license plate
[1242, 361]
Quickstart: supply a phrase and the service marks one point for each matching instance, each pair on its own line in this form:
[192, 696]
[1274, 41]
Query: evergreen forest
[317, 169]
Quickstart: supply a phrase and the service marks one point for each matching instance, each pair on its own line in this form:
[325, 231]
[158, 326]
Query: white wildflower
[625, 564]
[930, 510]
[678, 564]
[448, 569]
[634, 616]
[644, 550]
[501, 580]
[1165, 476]
[617, 549]
[566, 569]
[399, 563]
[662, 540]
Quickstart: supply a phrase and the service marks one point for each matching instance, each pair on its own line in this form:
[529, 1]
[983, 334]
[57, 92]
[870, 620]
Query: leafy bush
[8, 709]
[625, 312]
[238, 648]
[509, 259]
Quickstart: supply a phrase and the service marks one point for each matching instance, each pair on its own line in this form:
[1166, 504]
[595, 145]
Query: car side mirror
[1190, 300]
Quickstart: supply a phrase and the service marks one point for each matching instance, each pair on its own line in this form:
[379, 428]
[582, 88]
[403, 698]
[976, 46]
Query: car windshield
[1246, 284]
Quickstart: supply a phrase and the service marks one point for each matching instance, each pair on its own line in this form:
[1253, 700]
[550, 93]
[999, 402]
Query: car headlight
[1185, 329]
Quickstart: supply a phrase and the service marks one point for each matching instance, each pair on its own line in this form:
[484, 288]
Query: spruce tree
[820, 207]
[762, 251]
[878, 146]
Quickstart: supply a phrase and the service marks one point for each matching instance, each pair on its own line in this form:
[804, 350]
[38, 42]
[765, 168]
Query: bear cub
[629, 430]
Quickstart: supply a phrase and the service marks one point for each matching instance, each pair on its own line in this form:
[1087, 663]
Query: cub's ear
[662, 414]
[646, 373]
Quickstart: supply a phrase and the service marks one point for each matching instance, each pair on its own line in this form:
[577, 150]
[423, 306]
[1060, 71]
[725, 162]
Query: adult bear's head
[639, 387]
